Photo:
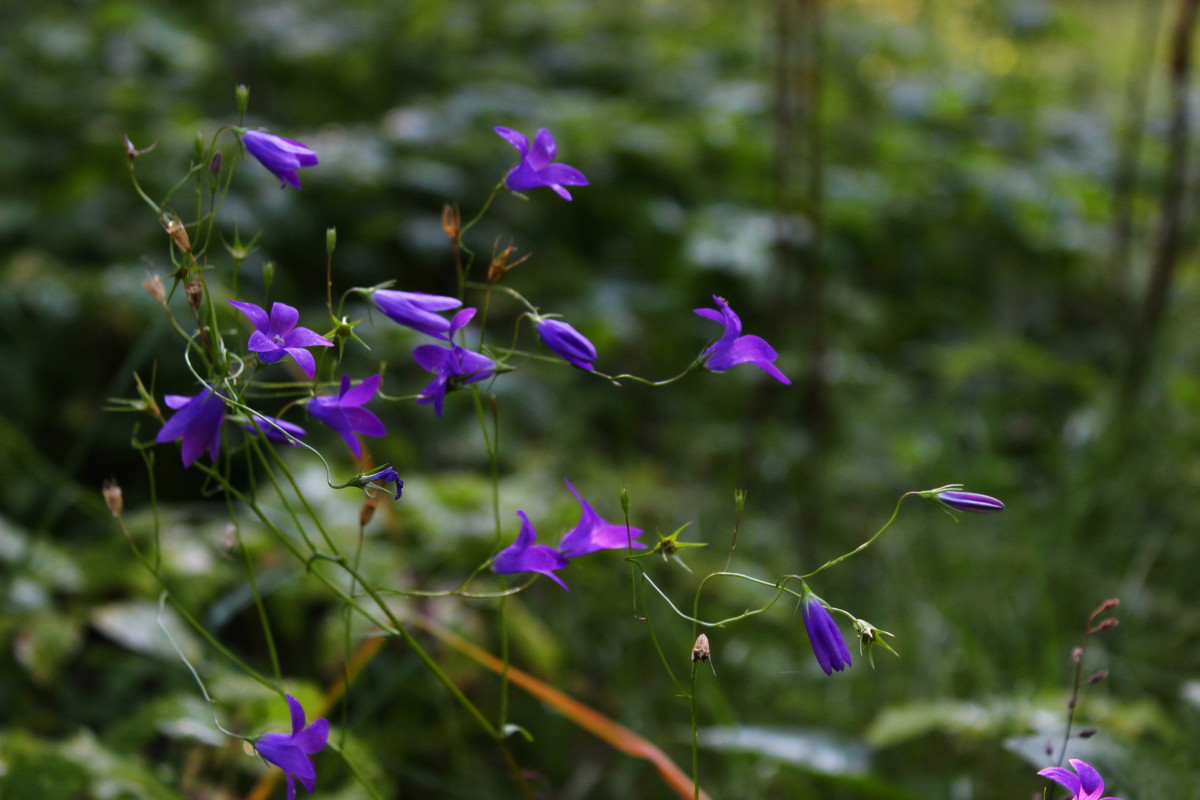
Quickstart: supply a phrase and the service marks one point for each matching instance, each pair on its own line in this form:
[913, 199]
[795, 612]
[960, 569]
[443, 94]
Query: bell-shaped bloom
[971, 502]
[282, 157]
[536, 167]
[292, 752]
[567, 342]
[828, 644]
[386, 475]
[345, 413]
[278, 430]
[594, 533]
[733, 348]
[417, 310]
[1084, 783]
[197, 421]
[453, 365]
[276, 336]
[525, 556]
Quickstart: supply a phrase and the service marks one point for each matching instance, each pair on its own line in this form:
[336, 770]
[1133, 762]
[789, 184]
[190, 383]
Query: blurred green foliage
[974, 330]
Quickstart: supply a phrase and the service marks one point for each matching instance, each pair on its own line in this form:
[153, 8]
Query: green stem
[865, 544]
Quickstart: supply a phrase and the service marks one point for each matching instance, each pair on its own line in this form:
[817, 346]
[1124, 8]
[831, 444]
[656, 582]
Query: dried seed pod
[701, 651]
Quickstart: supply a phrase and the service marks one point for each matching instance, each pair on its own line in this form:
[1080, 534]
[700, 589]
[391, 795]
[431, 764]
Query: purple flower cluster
[592, 533]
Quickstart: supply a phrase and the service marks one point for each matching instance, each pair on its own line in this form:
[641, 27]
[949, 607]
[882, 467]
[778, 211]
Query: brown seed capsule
[701, 650]
[112, 496]
[195, 294]
[178, 233]
[367, 512]
[500, 264]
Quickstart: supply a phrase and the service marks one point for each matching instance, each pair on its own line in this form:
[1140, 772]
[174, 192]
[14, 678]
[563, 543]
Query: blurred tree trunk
[799, 238]
[1167, 246]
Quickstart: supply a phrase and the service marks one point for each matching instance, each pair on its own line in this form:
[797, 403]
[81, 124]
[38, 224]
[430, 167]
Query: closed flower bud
[112, 496]
[451, 222]
[200, 148]
[242, 95]
[330, 240]
[567, 342]
[970, 502]
[268, 274]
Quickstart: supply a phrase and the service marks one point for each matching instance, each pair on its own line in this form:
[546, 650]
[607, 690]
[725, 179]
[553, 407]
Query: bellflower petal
[345, 414]
[828, 644]
[525, 556]
[454, 365]
[594, 533]
[271, 428]
[198, 422]
[416, 310]
[282, 157]
[276, 336]
[733, 348]
[1084, 784]
[291, 752]
[536, 167]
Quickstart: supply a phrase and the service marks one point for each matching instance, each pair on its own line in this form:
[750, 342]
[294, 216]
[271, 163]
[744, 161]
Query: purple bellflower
[292, 752]
[536, 168]
[345, 413]
[386, 475]
[594, 533]
[525, 556]
[823, 634]
[566, 342]
[278, 430]
[454, 364]
[282, 157]
[197, 421]
[970, 502]
[1084, 783]
[277, 336]
[417, 310]
[733, 348]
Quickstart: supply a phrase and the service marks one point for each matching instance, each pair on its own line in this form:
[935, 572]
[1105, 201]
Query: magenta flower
[345, 413]
[1084, 784]
[282, 157]
[386, 475]
[566, 341]
[970, 502]
[197, 421]
[733, 348]
[277, 336]
[454, 365]
[823, 634]
[417, 310]
[278, 430]
[536, 168]
[525, 556]
[293, 752]
[593, 533]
